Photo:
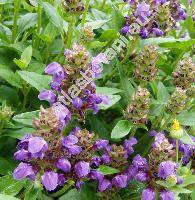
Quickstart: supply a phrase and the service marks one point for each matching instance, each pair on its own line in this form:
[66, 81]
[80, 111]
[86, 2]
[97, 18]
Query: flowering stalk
[85, 13]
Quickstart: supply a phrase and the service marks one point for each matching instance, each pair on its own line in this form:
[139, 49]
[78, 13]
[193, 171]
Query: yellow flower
[176, 125]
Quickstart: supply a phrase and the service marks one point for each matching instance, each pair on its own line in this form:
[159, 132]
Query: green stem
[39, 12]
[85, 13]
[70, 33]
[177, 150]
[103, 4]
[15, 20]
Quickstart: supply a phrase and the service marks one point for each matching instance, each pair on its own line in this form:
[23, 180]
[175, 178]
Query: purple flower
[193, 18]
[63, 114]
[131, 172]
[63, 164]
[105, 158]
[139, 162]
[50, 180]
[104, 185]
[77, 103]
[23, 144]
[82, 169]
[96, 161]
[53, 68]
[167, 168]
[96, 175]
[37, 146]
[48, 96]
[24, 170]
[95, 64]
[22, 155]
[144, 33]
[120, 181]
[159, 139]
[101, 144]
[70, 142]
[79, 184]
[157, 31]
[141, 176]
[166, 195]
[143, 10]
[128, 146]
[125, 30]
[148, 194]
[61, 179]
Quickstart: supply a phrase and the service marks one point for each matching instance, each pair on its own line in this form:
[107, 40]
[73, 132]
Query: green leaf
[190, 179]
[121, 129]
[187, 118]
[5, 166]
[25, 59]
[9, 76]
[180, 190]
[26, 118]
[19, 133]
[126, 85]
[10, 186]
[109, 34]
[113, 99]
[7, 197]
[27, 21]
[97, 24]
[187, 139]
[106, 170]
[53, 16]
[162, 94]
[107, 90]
[38, 81]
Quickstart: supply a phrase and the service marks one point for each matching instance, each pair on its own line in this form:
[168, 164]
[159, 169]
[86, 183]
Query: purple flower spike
[148, 194]
[82, 169]
[139, 162]
[48, 96]
[120, 181]
[24, 170]
[77, 103]
[63, 164]
[22, 155]
[37, 146]
[50, 180]
[167, 168]
[144, 33]
[167, 195]
[143, 10]
[104, 185]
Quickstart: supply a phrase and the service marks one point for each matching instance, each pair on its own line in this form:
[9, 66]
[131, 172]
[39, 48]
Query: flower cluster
[76, 78]
[154, 17]
[87, 34]
[146, 69]
[177, 101]
[138, 110]
[184, 75]
[160, 167]
[54, 159]
[73, 6]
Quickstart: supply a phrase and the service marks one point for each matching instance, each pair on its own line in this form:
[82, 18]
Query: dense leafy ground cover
[97, 99]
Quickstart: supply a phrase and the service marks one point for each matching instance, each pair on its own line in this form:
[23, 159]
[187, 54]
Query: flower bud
[176, 131]
[171, 180]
